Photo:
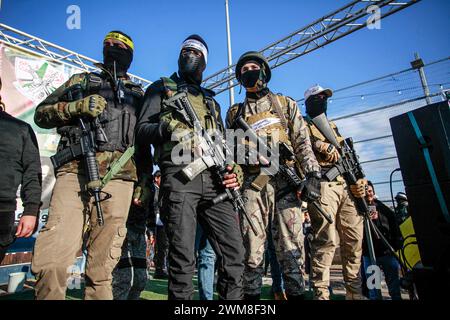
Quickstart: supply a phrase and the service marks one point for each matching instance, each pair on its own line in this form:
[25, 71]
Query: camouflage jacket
[297, 134]
[51, 114]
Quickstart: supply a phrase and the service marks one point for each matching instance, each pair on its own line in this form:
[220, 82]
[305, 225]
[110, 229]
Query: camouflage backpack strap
[232, 114]
[278, 101]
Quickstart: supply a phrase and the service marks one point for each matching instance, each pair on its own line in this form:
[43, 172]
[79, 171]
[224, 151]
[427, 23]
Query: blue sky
[159, 27]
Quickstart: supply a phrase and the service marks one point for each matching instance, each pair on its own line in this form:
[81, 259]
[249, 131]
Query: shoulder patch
[169, 84]
[79, 78]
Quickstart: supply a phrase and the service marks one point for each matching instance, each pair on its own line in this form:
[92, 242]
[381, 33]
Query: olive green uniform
[283, 215]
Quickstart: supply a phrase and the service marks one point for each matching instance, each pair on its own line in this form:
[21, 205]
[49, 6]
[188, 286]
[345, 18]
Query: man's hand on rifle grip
[234, 177]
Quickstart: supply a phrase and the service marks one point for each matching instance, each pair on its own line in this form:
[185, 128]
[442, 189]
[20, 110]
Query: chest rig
[270, 120]
[117, 121]
[201, 100]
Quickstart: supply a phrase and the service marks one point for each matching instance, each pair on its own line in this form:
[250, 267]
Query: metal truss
[346, 20]
[53, 52]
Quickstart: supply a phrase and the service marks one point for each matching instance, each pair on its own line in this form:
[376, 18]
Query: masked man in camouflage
[338, 200]
[184, 201]
[278, 118]
[112, 101]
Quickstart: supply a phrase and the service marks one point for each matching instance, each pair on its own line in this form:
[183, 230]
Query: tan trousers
[61, 238]
[348, 224]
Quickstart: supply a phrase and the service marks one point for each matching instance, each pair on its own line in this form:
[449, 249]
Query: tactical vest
[118, 120]
[204, 105]
[273, 124]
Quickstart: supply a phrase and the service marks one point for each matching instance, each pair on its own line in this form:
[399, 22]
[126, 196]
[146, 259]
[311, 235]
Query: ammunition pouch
[118, 126]
[114, 126]
[260, 182]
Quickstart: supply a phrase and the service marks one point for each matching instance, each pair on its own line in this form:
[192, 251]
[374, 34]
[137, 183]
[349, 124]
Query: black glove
[311, 191]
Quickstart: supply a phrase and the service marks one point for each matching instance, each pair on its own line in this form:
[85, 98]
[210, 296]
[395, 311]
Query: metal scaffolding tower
[346, 20]
[35, 45]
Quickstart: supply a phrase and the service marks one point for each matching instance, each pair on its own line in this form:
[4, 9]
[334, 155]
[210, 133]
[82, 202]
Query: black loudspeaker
[431, 227]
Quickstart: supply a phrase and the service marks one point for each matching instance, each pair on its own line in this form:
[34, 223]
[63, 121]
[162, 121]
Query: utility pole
[230, 58]
[418, 65]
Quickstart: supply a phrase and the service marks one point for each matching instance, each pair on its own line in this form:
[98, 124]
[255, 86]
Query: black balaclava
[256, 79]
[122, 57]
[316, 105]
[190, 66]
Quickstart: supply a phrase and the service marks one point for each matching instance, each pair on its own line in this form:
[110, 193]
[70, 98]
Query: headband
[120, 37]
[195, 44]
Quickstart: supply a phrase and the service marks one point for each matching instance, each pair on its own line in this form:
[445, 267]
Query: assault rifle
[214, 154]
[85, 148]
[284, 156]
[349, 167]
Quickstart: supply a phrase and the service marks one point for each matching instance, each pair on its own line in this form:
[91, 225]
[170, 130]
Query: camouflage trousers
[348, 229]
[130, 274]
[282, 219]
